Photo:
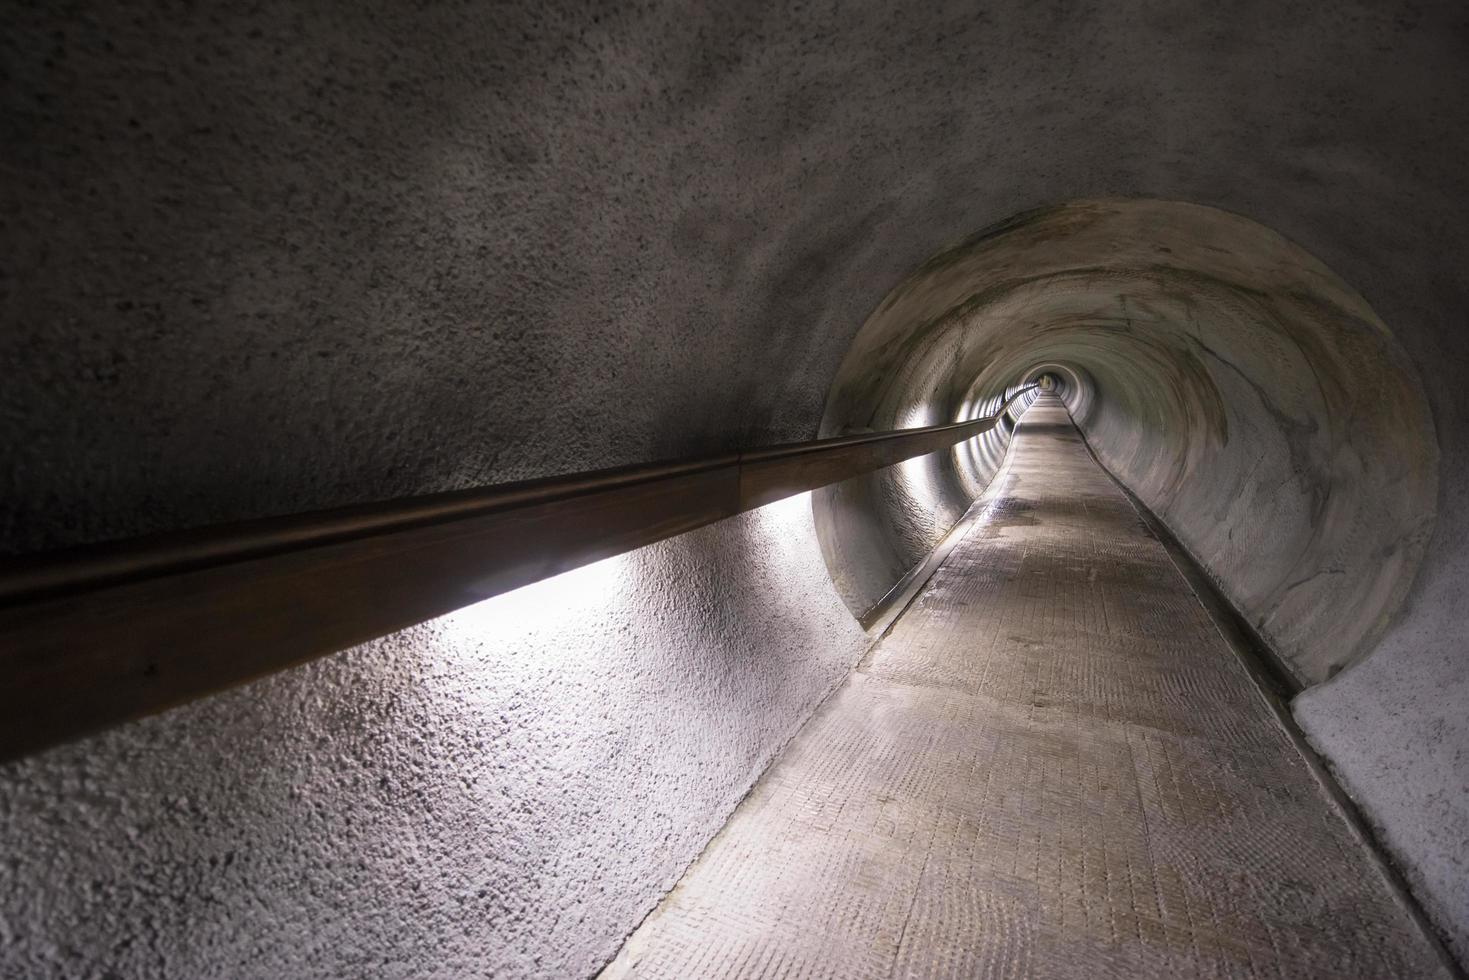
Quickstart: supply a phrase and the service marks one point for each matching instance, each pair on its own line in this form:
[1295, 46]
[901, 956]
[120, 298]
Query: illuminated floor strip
[1052, 766]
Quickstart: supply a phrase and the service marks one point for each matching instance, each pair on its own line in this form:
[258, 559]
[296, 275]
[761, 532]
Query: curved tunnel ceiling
[1246, 394]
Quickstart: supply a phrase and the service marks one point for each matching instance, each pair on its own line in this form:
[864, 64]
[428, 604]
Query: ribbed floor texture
[1052, 767]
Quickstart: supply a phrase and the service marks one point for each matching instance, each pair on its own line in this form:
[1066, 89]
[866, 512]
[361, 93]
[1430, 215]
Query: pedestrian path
[1053, 766]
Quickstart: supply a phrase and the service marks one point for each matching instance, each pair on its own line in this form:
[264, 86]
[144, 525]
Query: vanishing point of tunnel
[684, 490]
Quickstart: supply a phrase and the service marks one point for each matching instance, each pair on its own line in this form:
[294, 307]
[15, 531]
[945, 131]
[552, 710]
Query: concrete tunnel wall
[1250, 398]
[874, 529]
[505, 791]
[265, 259]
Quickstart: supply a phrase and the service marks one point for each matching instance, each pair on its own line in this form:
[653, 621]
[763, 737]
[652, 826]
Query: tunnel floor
[1053, 765]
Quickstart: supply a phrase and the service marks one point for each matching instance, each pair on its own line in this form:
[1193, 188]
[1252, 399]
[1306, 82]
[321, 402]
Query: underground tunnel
[545, 491]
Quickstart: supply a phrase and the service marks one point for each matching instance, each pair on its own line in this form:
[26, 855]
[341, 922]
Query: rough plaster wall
[258, 260]
[505, 791]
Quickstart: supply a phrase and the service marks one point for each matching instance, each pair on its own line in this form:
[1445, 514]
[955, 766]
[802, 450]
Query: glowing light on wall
[564, 614]
[918, 480]
[916, 417]
[787, 522]
[582, 594]
[568, 610]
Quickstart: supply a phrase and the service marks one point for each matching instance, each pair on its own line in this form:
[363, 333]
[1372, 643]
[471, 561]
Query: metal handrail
[99, 635]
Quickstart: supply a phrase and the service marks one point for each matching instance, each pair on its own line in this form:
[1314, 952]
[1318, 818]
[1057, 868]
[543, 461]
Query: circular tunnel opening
[1250, 398]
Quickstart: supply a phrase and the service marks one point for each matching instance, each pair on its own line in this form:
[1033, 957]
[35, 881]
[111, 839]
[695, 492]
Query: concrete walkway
[1054, 767]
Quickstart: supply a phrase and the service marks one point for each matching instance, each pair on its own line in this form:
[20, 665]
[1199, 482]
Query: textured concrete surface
[1397, 737]
[1262, 409]
[503, 792]
[1053, 767]
[358, 246]
[1247, 396]
[258, 259]
[875, 528]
